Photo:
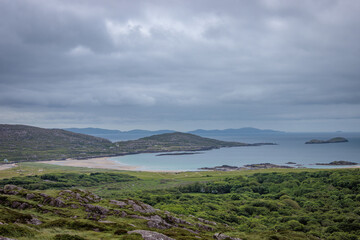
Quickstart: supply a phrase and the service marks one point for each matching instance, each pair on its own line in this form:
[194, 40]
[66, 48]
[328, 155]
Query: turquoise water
[290, 148]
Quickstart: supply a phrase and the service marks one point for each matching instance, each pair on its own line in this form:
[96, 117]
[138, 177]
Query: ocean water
[291, 148]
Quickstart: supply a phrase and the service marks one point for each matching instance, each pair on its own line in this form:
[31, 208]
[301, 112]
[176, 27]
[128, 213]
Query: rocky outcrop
[96, 209]
[55, 202]
[149, 235]
[207, 221]
[221, 236]
[176, 220]
[157, 222]
[11, 189]
[204, 227]
[79, 195]
[5, 238]
[118, 203]
[20, 205]
[141, 207]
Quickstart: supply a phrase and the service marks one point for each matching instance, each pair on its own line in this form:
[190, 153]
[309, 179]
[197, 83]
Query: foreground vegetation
[261, 204]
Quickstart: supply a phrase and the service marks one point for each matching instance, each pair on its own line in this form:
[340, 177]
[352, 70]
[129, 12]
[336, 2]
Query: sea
[290, 147]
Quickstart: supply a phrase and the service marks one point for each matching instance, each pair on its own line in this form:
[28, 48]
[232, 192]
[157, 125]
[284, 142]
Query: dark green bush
[68, 237]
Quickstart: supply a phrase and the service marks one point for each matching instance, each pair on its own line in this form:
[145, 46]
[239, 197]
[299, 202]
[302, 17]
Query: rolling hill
[21, 142]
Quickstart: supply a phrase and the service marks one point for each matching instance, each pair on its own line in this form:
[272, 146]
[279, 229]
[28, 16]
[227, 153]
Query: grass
[148, 180]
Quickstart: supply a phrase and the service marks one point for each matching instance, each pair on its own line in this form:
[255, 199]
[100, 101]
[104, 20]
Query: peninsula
[26, 143]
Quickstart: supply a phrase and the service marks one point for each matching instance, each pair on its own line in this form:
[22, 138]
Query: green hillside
[175, 142]
[284, 204]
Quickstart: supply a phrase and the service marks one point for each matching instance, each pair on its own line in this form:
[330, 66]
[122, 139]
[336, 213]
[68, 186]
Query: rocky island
[338, 163]
[332, 140]
[245, 167]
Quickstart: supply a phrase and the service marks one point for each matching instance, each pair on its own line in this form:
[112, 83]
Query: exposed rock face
[149, 235]
[141, 207]
[221, 236]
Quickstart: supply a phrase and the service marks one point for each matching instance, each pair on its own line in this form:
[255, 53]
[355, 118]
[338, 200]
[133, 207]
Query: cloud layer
[290, 65]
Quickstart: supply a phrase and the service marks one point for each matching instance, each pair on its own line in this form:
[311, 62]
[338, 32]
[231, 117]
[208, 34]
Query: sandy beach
[103, 162]
[7, 166]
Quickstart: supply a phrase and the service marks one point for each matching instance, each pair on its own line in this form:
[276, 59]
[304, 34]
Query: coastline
[102, 162]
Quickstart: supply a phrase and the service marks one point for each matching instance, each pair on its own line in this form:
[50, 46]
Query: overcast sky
[279, 64]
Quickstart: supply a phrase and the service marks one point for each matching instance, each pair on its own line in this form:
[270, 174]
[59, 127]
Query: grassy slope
[19, 142]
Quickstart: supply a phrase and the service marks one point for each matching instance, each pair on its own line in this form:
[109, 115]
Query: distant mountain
[91, 131]
[117, 135]
[231, 131]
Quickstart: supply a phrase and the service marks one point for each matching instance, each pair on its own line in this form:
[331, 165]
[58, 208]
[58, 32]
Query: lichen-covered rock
[55, 202]
[19, 205]
[118, 203]
[12, 189]
[141, 207]
[5, 238]
[157, 222]
[221, 236]
[30, 196]
[149, 235]
[176, 220]
[80, 196]
[96, 209]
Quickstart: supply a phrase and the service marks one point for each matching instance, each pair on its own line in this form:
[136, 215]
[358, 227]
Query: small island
[332, 140]
[338, 163]
[245, 167]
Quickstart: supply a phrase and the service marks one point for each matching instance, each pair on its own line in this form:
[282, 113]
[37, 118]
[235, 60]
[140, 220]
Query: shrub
[68, 237]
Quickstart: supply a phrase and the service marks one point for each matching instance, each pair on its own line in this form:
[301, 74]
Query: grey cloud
[169, 62]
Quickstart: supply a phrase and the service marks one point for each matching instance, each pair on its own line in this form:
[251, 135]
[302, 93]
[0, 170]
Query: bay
[291, 148]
